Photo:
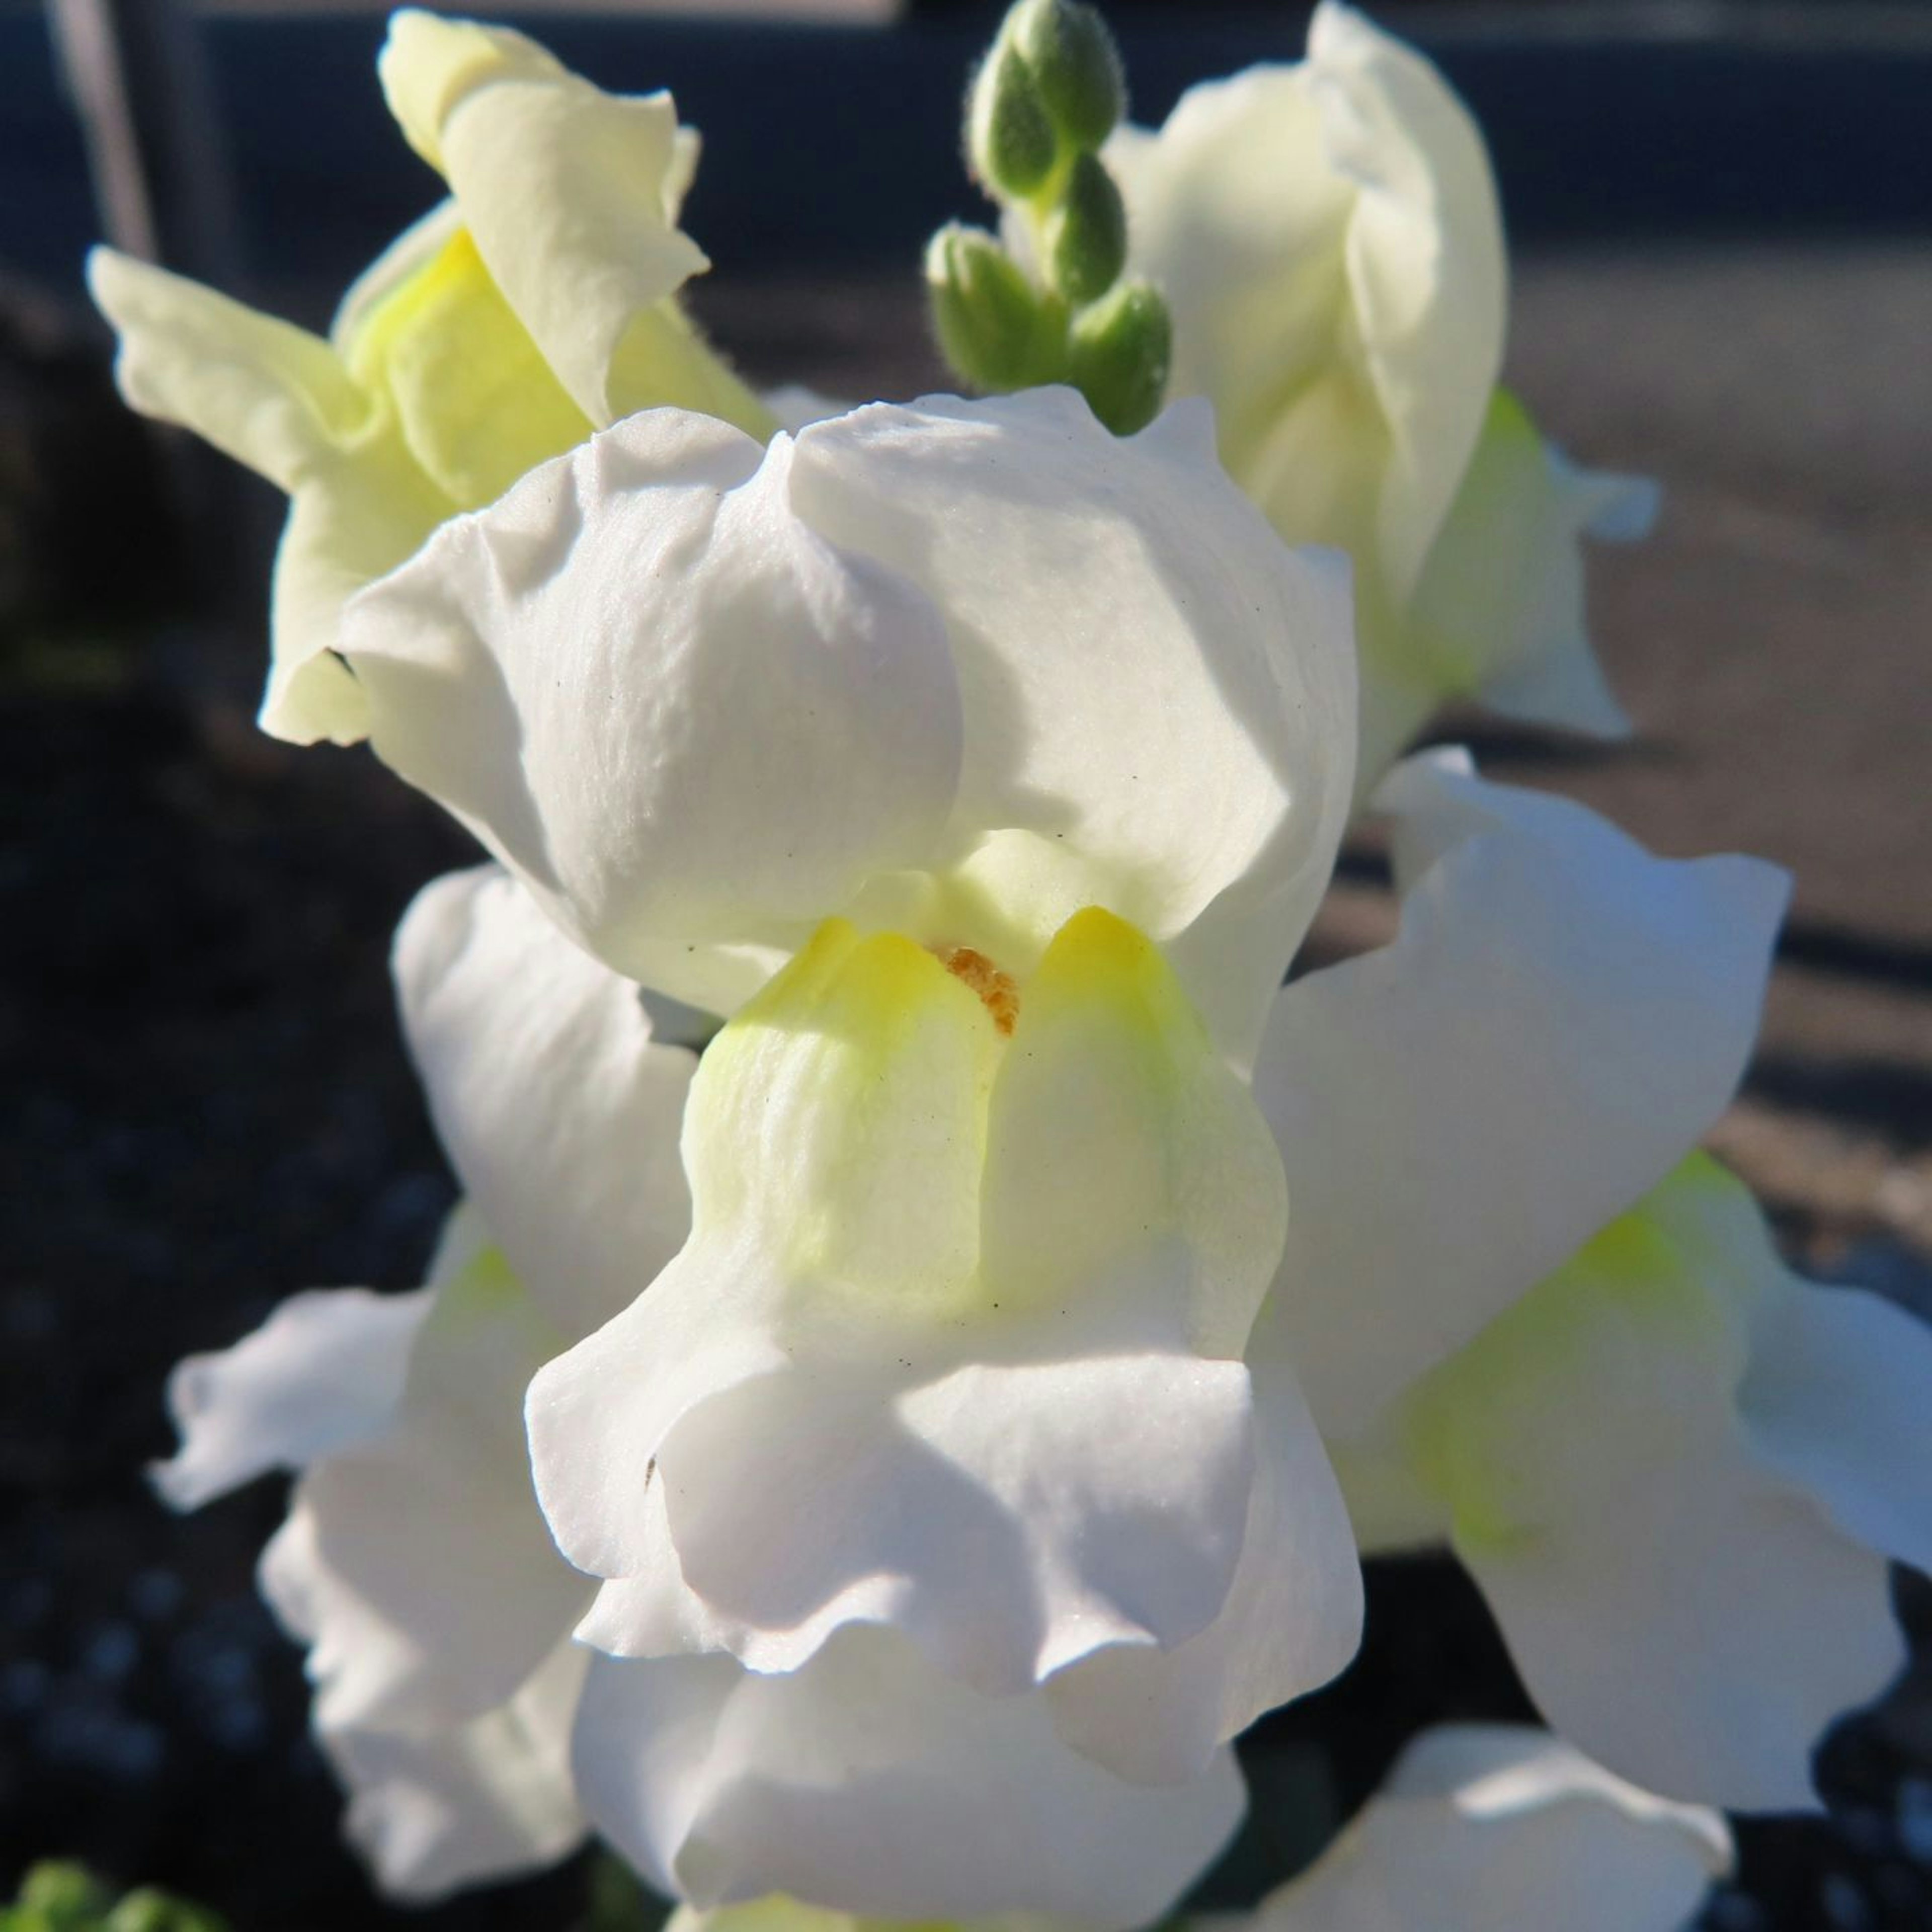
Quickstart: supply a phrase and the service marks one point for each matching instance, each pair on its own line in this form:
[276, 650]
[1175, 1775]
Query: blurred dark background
[1721, 215]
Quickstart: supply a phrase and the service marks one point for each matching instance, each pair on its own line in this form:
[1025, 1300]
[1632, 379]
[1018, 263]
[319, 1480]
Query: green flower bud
[1085, 240]
[995, 328]
[1010, 144]
[1075, 65]
[1119, 354]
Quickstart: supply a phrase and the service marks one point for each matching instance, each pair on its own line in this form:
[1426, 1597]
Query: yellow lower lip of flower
[904, 1123]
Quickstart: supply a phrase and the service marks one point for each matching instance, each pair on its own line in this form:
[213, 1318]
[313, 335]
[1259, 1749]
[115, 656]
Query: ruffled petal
[869, 1784]
[433, 1529]
[571, 196]
[1493, 1829]
[1674, 1603]
[557, 1108]
[323, 1373]
[281, 400]
[271, 395]
[1561, 1016]
[433, 1805]
[1292, 1619]
[1127, 631]
[676, 713]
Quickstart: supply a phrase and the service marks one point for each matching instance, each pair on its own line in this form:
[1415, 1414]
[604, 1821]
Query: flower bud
[1119, 353]
[995, 328]
[1086, 235]
[1075, 67]
[1010, 143]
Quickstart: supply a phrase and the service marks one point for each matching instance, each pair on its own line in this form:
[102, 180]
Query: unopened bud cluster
[1042, 105]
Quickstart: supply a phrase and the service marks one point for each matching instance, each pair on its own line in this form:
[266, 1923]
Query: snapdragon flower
[1479, 1827]
[1532, 1328]
[535, 305]
[476, 1738]
[884, 726]
[1328, 239]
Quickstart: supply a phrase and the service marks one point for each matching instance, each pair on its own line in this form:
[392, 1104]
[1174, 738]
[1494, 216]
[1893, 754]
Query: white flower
[1530, 1329]
[1328, 239]
[902, 709]
[476, 1737]
[535, 305]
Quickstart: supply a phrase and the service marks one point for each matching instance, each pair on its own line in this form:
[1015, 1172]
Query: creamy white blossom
[1328, 238]
[888, 719]
[537, 303]
[477, 1738]
[1530, 1329]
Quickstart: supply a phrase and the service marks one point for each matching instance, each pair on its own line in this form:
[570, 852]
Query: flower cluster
[869, 1454]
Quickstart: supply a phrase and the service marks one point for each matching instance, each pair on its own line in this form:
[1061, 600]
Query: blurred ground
[205, 1105]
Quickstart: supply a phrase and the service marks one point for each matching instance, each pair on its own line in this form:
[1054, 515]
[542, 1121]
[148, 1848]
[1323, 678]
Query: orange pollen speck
[997, 993]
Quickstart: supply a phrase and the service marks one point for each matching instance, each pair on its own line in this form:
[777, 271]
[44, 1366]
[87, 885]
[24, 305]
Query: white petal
[325, 1372]
[269, 394]
[558, 1110]
[1425, 264]
[1498, 614]
[1329, 237]
[434, 1529]
[676, 713]
[1675, 1605]
[1839, 1401]
[1291, 1620]
[435, 1811]
[868, 1783]
[992, 1514]
[281, 400]
[1127, 631]
[1495, 1829]
[1560, 1018]
[570, 193]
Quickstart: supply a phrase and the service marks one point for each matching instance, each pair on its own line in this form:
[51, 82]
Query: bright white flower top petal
[477, 1740]
[1677, 1473]
[943, 669]
[1328, 238]
[1494, 1828]
[1561, 1016]
[537, 305]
